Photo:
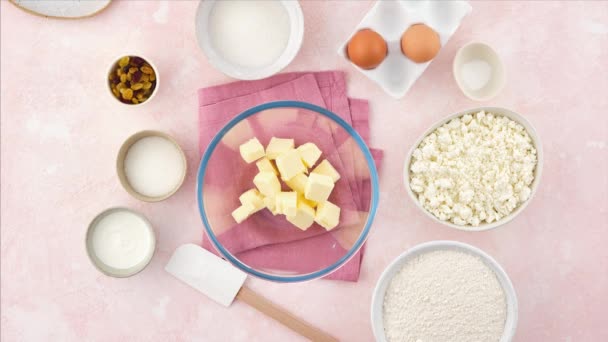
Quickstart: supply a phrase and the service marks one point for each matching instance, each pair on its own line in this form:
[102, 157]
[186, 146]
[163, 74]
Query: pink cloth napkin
[286, 249]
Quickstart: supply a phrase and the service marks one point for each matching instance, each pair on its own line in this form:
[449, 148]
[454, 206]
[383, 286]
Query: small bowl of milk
[151, 166]
[249, 40]
[120, 242]
[478, 71]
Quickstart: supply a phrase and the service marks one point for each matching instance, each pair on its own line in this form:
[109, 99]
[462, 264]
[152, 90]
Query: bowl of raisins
[132, 80]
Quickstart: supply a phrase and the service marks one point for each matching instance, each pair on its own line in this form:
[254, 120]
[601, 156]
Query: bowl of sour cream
[120, 242]
[249, 40]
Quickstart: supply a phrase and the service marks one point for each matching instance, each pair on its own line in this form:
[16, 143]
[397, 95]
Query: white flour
[444, 296]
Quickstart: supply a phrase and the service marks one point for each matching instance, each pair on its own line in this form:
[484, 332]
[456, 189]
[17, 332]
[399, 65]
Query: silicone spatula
[222, 282]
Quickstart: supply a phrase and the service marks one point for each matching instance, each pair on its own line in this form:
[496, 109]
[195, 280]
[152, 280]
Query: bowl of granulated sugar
[444, 291]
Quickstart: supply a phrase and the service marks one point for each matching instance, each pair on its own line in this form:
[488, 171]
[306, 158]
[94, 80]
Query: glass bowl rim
[282, 104]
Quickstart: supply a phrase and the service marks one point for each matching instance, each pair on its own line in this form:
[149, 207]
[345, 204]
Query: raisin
[152, 77]
[137, 86]
[137, 76]
[134, 100]
[123, 78]
[132, 70]
[146, 70]
[123, 61]
[145, 78]
[120, 86]
[138, 61]
[127, 94]
[147, 85]
[128, 77]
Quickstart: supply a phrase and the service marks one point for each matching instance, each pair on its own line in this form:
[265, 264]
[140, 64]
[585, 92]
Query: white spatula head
[206, 272]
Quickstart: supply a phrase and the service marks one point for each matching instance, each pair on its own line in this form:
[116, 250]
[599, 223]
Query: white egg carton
[390, 19]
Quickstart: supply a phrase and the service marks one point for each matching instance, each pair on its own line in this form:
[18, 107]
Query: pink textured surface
[61, 132]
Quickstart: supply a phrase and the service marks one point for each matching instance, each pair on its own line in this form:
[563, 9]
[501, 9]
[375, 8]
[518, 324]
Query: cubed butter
[325, 168]
[267, 183]
[304, 217]
[287, 203]
[244, 211]
[303, 199]
[318, 187]
[266, 165]
[253, 197]
[278, 146]
[309, 153]
[290, 164]
[297, 183]
[328, 215]
[270, 204]
[252, 150]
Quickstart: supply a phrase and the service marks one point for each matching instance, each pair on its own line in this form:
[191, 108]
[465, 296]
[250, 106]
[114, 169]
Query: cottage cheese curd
[474, 169]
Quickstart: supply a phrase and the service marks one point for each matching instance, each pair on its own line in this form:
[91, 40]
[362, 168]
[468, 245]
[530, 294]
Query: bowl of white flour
[444, 291]
[475, 170]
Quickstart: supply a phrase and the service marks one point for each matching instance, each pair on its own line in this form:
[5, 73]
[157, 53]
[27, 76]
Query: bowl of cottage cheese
[475, 170]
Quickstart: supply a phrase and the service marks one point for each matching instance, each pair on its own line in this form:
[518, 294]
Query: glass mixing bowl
[268, 246]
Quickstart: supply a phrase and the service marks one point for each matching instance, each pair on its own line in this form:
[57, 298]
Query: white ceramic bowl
[395, 266]
[294, 43]
[484, 52]
[537, 171]
[113, 63]
[109, 270]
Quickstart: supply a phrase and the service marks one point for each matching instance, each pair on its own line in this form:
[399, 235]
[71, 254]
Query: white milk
[249, 33]
[122, 239]
[154, 166]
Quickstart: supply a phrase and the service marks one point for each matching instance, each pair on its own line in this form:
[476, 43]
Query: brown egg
[420, 43]
[366, 49]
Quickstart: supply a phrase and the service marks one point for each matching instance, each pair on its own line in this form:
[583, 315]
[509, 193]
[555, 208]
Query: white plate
[395, 266]
[68, 9]
[397, 73]
[294, 43]
[537, 171]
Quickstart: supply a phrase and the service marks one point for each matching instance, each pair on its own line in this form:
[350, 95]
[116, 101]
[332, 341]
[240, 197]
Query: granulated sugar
[444, 296]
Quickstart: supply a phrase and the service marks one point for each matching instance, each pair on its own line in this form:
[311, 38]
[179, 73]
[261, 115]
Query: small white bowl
[109, 270]
[113, 64]
[294, 43]
[533, 187]
[395, 266]
[479, 51]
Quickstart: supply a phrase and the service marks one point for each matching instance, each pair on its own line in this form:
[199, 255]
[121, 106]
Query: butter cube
[309, 153]
[243, 212]
[304, 217]
[290, 164]
[325, 168]
[298, 183]
[328, 215]
[267, 183]
[318, 187]
[265, 165]
[252, 150]
[278, 146]
[303, 199]
[270, 203]
[287, 203]
[253, 197]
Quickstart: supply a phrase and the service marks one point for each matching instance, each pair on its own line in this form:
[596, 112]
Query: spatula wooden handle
[282, 316]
